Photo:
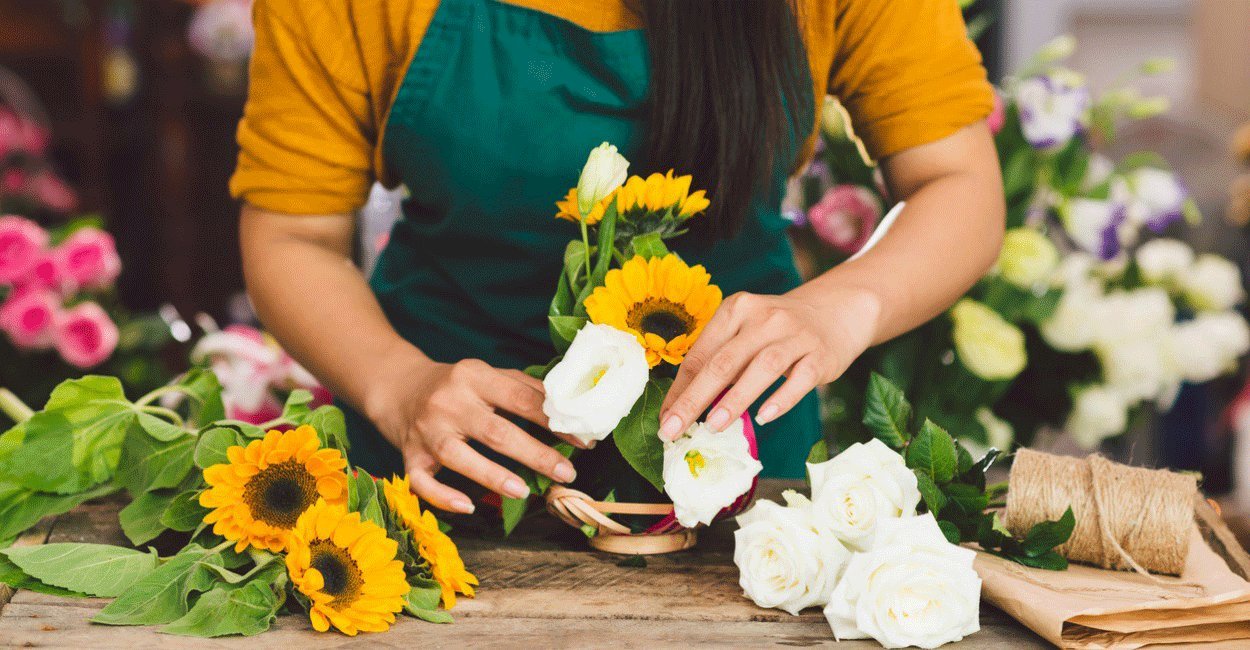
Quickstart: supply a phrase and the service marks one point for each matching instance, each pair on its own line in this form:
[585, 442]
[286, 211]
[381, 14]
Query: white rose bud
[705, 471]
[1098, 413]
[783, 562]
[912, 588]
[1164, 260]
[855, 491]
[605, 171]
[595, 385]
[1213, 284]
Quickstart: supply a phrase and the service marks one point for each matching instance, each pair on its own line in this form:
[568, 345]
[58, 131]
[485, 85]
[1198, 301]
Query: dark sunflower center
[339, 572]
[279, 494]
[662, 317]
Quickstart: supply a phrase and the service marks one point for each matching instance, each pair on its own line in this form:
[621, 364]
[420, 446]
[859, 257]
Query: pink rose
[22, 241]
[53, 193]
[47, 273]
[998, 115]
[845, 217]
[89, 258]
[85, 335]
[29, 317]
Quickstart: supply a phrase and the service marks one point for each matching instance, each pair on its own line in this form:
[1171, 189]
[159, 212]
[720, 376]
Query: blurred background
[120, 115]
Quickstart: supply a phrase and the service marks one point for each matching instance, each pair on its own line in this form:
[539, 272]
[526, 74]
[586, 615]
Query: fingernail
[766, 414]
[672, 427]
[461, 504]
[719, 419]
[515, 489]
[565, 472]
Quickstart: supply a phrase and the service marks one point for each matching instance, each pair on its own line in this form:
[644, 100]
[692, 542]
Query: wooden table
[541, 588]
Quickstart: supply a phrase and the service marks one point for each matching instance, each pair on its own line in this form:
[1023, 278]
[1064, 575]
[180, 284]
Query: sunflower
[434, 545]
[659, 192]
[347, 569]
[569, 211]
[259, 495]
[663, 302]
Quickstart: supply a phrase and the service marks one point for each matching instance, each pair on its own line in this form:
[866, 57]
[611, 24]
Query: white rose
[595, 385]
[1098, 412]
[1164, 260]
[1212, 284]
[1158, 198]
[705, 471]
[855, 491]
[1137, 369]
[1098, 227]
[605, 171]
[783, 562]
[1209, 345]
[1146, 313]
[913, 588]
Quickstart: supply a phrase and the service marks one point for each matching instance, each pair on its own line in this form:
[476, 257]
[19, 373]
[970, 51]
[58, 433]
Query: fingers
[801, 380]
[515, 392]
[431, 491]
[509, 440]
[710, 381]
[719, 331]
[769, 365]
[457, 456]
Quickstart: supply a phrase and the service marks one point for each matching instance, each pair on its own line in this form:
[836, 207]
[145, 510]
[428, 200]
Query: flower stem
[168, 414]
[159, 392]
[13, 406]
[586, 246]
[273, 423]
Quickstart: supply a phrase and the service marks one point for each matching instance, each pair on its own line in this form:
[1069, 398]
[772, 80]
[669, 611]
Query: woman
[485, 110]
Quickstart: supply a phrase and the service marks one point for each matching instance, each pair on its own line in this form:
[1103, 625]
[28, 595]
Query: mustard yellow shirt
[325, 72]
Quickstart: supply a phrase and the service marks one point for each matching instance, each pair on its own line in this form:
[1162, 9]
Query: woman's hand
[430, 411]
[809, 336]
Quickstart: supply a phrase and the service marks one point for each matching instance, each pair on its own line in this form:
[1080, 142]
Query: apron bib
[491, 126]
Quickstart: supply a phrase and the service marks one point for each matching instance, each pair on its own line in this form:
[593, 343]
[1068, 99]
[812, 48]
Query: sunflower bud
[605, 171]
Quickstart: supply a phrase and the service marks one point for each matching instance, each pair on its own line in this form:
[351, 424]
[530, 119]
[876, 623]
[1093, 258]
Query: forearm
[317, 303]
[947, 237]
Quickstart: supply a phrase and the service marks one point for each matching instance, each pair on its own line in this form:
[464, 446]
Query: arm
[947, 237]
[314, 300]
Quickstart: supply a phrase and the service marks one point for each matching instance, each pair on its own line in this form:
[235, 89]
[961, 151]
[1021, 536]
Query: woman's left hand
[809, 336]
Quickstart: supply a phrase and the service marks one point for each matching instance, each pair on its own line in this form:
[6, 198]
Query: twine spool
[578, 509]
[1126, 517]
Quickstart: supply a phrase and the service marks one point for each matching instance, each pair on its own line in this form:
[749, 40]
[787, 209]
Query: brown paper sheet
[1086, 607]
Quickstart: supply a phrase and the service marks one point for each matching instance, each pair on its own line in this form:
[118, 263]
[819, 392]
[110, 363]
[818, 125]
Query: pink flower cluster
[253, 369]
[22, 140]
[40, 279]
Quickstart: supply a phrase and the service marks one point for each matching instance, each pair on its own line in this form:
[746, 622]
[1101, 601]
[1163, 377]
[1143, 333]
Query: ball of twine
[1127, 518]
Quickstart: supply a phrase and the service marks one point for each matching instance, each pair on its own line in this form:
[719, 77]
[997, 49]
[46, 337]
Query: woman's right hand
[431, 410]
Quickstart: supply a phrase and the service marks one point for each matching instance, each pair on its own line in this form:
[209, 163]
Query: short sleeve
[306, 140]
[906, 72]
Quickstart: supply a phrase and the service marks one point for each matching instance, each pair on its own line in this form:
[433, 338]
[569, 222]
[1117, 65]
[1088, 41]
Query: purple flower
[1052, 108]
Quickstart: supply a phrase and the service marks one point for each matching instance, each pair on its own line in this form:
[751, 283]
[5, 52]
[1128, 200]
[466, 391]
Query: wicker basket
[578, 509]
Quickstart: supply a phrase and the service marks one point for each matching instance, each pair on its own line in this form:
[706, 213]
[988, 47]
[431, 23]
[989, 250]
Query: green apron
[490, 127]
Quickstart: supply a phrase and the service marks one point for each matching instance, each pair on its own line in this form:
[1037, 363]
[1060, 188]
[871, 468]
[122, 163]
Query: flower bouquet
[1088, 316]
[260, 521]
[625, 313]
[58, 314]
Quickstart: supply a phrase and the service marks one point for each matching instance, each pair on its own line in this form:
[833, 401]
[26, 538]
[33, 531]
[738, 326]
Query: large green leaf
[158, 597]
[932, 451]
[934, 500]
[513, 511]
[151, 464]
[203, 391]
[565, 328]
[422, 602]
[1046, 535]
[887, 412]
[212, 445]
[638, 434]
[649, 245]
[362, 496]
[21, 507]
[185, 513]
[247, 611]
[13, 576]
[94, 569]
[141, 518]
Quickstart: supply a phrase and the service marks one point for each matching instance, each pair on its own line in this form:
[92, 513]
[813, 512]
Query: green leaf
[151, 464]
[819, 452]
[637, 436]
[951, 531]
[1051, 561]
[331, 427]
[607, 244]
[185, 513]
[247, 611]
[362, 496]
[85, 391]
[141, 518]
[21, 508]
[298, 405]
[540, 372]
[513, 511]
[932, 451]
[13, 576]
[967, 498]
[934, 500]
[202, 388]
[963, 460]
[425, 594]
[575, 265]
[212, 445]
[633, 562]
[542, 482]
[887, 412]
[1046, 535]
[158, 597]
[94, 569]
[649, 245]
[566, 328]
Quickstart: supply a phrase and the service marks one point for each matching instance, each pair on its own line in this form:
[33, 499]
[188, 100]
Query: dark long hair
[731, 94]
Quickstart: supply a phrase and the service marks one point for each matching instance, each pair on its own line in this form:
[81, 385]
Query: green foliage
[91, 569]
[637, 435]
[887, 412]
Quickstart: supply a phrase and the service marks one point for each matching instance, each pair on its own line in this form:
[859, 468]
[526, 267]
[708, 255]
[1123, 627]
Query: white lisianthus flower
[1098, 413]
[1073, 326]
[1212, 284]
[783, 563]
[1099, 169]
[595, 385]
[705, 471]
[1027, 258]
[1158, 198]
[1136, 368]
[1097, 226]
[1209, 345]
[853, 492]
[1138, 314]
[988, 346]
[912, 588]
[1053, 108]
[605, 171]
[1164, 260]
